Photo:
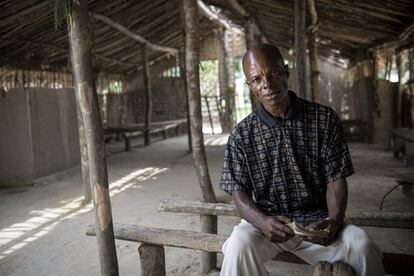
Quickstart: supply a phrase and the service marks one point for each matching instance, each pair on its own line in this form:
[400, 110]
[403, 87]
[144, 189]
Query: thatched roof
[28, 36]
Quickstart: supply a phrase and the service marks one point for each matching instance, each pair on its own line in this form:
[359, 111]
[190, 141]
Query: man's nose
[266, 82]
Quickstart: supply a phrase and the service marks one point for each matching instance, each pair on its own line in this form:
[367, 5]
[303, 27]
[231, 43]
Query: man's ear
[287, 70]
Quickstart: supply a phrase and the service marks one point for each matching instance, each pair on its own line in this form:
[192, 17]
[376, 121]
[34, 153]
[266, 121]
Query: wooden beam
[87, 102]
[300, 47]
[216, 17]
[375, 219]
[394, 263]
[132, 35]
[250, 19]
[403, 36]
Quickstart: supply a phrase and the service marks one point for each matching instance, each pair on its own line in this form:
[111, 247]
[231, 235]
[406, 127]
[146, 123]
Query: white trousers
[246, 251]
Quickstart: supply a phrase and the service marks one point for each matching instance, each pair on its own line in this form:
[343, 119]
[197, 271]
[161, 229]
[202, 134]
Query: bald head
[261, 52]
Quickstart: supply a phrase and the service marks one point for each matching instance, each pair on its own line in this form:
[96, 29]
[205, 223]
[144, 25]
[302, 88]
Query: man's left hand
[331, 226]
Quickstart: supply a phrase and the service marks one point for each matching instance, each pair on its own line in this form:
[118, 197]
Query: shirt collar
[294, 113]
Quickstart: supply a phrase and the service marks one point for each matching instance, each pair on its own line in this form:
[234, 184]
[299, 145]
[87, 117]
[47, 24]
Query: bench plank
[374, 219]
[393, 263]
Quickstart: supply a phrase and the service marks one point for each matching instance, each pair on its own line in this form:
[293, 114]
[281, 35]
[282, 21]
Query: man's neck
[280, 110]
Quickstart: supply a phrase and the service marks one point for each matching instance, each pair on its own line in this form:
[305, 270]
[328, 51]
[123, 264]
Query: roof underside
[28, 36]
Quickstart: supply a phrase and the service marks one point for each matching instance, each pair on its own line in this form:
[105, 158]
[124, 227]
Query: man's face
[267, 77]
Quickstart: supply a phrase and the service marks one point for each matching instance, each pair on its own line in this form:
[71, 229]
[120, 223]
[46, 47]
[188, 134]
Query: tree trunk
[223, 80]
[80, 42]
[313, 52]
[194, 98]
[148, 100]
[84, 159]
[231, 83]
[300, 46]
[252, 38]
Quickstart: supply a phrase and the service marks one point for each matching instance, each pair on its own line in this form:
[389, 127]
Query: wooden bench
[401, 141]
[153, 239]
[136, 130]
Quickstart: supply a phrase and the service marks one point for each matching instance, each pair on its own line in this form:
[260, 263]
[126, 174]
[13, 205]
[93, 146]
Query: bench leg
[152, 259]
[127, 143]
[208, 261]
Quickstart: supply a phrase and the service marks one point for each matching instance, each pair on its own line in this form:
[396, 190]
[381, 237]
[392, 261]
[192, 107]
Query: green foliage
[63, 11]
[209, 77]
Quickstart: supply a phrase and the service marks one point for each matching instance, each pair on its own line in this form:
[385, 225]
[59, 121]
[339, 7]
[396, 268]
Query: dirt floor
[42, 228]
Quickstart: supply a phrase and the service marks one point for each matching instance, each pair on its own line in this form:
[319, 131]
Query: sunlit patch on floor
[20, 234]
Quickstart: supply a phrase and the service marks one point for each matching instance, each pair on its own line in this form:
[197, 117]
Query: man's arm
[336, 200]
[272, 227]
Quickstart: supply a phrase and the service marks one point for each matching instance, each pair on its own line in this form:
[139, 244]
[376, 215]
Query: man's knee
[358, 242]
[239, 242]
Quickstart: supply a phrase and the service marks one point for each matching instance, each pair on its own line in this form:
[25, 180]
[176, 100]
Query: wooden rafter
[132, 35]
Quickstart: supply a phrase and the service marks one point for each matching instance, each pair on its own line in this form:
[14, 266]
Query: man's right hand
[275, 228]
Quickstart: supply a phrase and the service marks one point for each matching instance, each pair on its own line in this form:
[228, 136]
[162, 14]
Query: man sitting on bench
[285, 166]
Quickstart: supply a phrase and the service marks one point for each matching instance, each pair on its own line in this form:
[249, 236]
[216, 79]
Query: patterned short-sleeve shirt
[285, 165]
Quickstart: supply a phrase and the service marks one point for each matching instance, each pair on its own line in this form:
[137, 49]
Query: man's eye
[256, 80]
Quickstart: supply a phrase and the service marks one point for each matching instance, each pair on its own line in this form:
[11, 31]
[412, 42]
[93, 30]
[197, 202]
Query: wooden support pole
[400, 94]
[231, 83]
[86, 184]
[152, 258]
[87, 100]
[208, 224]
[194, 98]
[184, 83]
[252, 38]
[148, 100]
[300, 47]
[313, 51]
[209, 114]
[223, 80]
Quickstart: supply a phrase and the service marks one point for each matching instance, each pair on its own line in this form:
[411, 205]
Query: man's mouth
[272, 94]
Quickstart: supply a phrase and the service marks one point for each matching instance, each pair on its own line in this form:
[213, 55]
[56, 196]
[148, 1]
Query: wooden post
[231, 84]
[87, 100]
[152, 258]
[411, 81]
[252, 38]
[148, 100]
[313, 51]
[209, 114]
[399, 99]
[223, 80]
[184, 83]
[208, 224]
[84, 159]
[194, 98]
[300, 46]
